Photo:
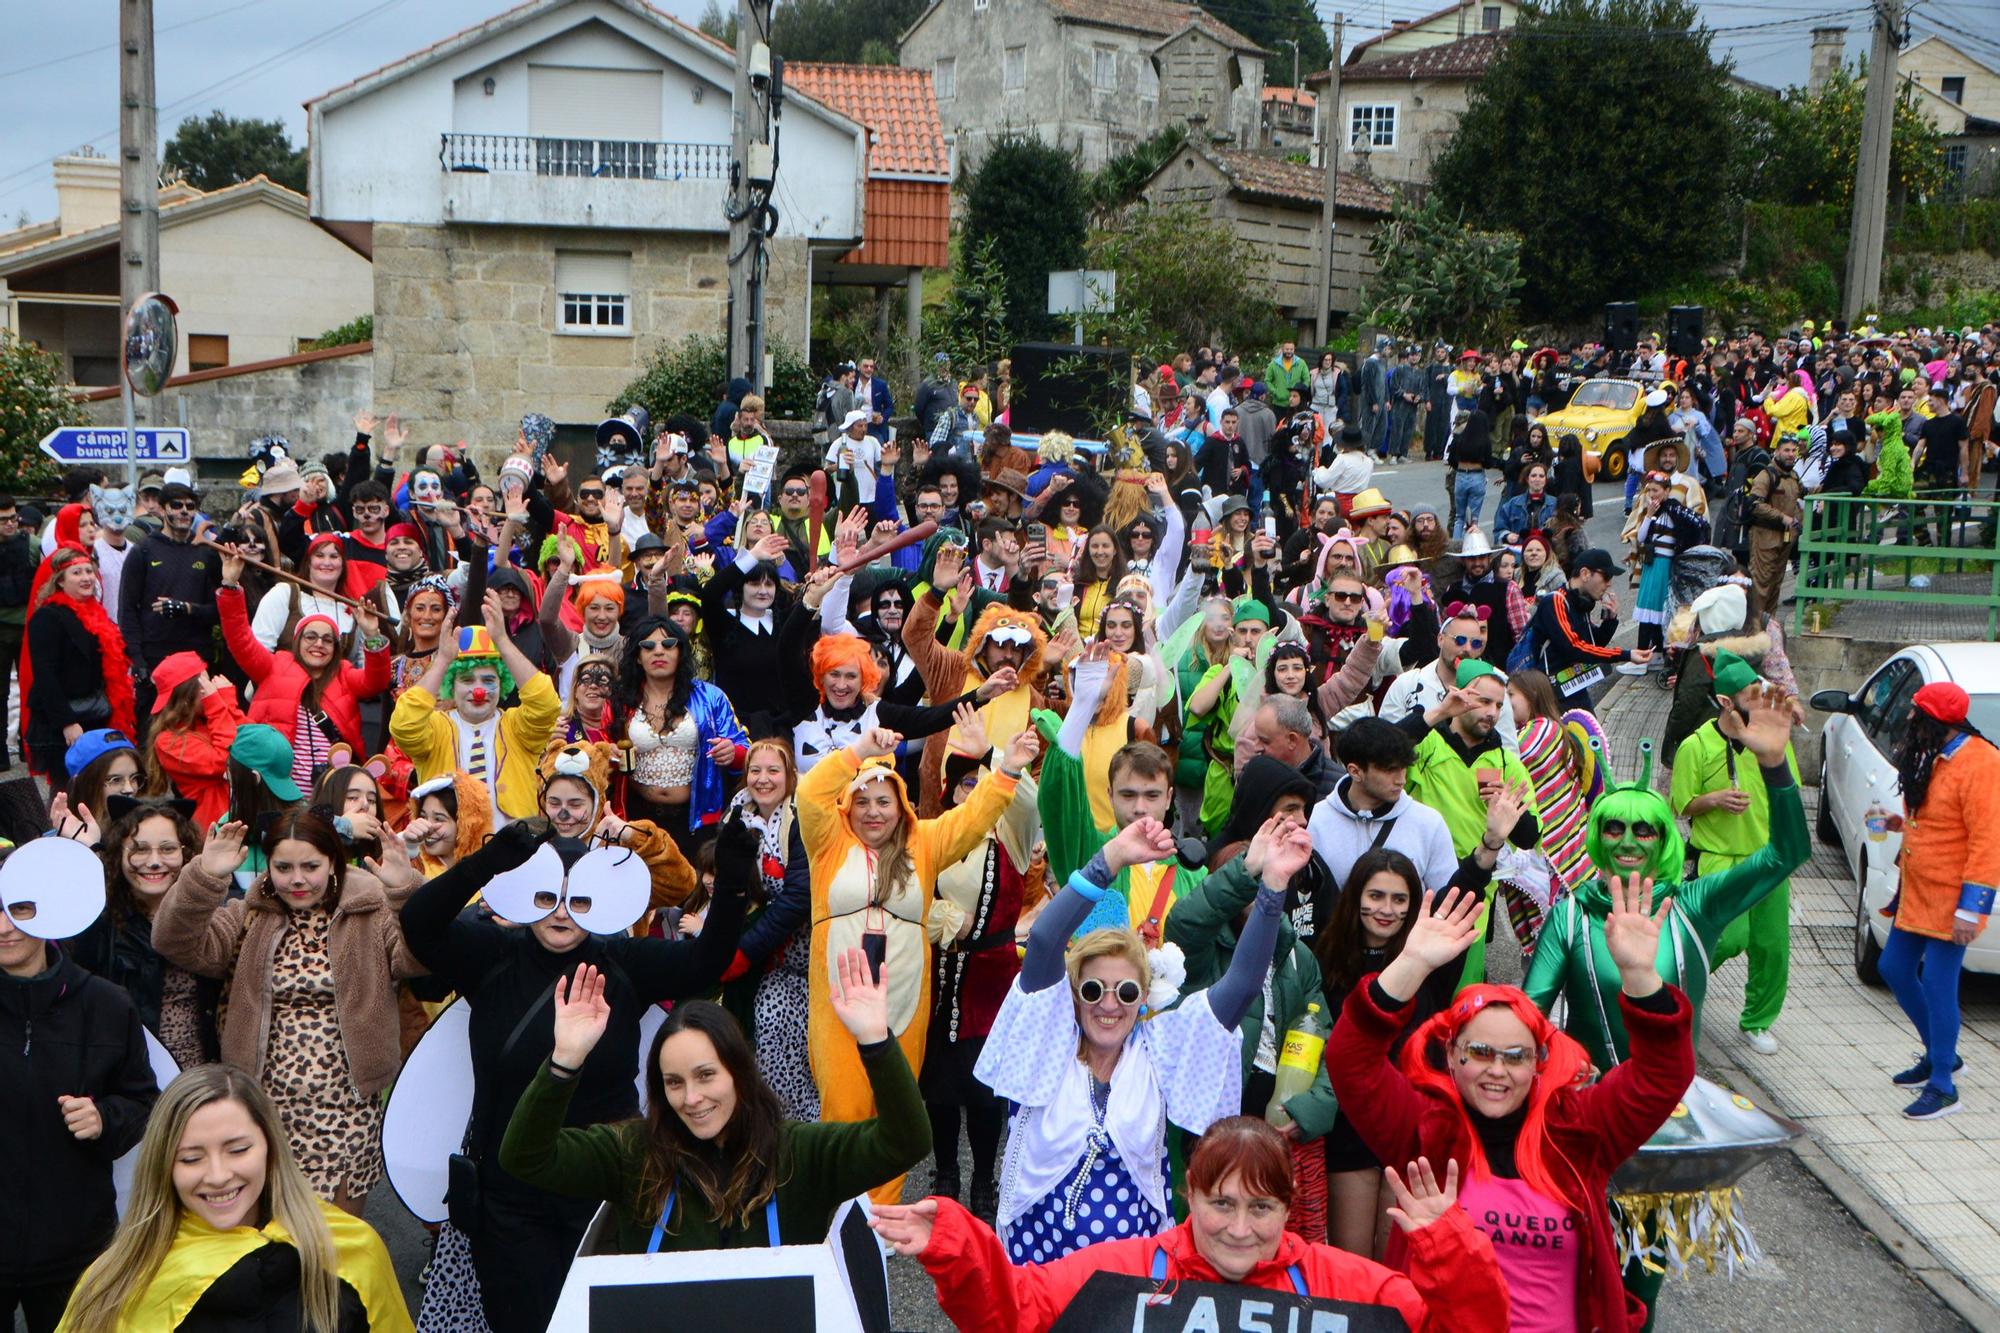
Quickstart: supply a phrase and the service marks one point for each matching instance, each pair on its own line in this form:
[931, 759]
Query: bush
[34, 400]
[1184, 280]
[688, 377]
[360, 329]
[1029, 199]
[1437, 276]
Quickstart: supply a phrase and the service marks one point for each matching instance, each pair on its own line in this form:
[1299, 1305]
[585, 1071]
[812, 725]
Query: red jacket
[1455, 1283]
[281, 681]
[196, 761]
[1595, 1129]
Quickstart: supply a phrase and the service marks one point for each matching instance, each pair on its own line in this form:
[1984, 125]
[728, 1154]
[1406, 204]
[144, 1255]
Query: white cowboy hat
[1474, 544]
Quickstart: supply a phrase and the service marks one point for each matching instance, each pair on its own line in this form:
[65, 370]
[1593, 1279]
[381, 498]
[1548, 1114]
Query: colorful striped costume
[1562, 796]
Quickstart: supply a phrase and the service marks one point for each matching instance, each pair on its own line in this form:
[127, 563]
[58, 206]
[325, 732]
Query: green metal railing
[1848, 542]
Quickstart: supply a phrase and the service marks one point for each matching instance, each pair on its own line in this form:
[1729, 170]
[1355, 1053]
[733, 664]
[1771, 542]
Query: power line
[113, 46]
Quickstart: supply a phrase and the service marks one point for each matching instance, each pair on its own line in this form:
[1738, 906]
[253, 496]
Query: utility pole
[754, 103]
[1866, 226]
[1329, 148]
[138, 185]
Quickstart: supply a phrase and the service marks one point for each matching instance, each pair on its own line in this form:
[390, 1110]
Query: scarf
[774, 835]
[111, 652]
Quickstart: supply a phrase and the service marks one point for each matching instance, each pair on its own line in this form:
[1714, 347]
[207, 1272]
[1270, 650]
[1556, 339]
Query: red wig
[1245, 1144]
[846, 650]
[1560, 1063]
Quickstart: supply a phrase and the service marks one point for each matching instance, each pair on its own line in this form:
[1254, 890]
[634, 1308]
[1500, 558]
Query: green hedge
[1783, 237]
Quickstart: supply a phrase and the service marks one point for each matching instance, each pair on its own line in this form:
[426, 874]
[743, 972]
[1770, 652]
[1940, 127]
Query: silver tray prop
[1675, 1201]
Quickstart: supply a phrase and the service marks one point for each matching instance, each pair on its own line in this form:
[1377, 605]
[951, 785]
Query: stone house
[543, 193]
[1462, 19]
[1401, 108]
[1094, 75]
[1290, 120]
[1276, 205]
[253, 276]
[1957, 91]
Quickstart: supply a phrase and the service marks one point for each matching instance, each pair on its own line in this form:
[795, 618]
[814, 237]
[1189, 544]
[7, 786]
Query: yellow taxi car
[1600, 414]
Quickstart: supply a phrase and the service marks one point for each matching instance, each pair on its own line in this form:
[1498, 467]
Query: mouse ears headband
[52, 888]
[606, 891]
[1479, 613]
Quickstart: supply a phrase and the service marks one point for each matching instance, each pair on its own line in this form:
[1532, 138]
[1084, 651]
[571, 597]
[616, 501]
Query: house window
[1372, 126]
[1954, 163]
[1149, 92]
[944, 78]
[1014, 69]
[208, 351]
[1104, 68]
[593, 293]
[1489, 18]
[1953, 88]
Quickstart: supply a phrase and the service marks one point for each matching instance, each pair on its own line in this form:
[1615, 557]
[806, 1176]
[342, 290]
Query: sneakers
[1765, 1044]
[1932, 1105]
[1920, 1072]
[1630, 668]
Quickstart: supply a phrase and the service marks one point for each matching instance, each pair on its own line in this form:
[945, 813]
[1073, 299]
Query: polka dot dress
[1098, 1202]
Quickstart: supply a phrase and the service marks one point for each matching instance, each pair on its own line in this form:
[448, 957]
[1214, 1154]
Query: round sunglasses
[1090, 990]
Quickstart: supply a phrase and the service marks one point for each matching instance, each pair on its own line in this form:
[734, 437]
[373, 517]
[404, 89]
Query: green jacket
[821, 1166]
[1445, 782]
[1203, 924]
[1283, 380]
[1571, 960]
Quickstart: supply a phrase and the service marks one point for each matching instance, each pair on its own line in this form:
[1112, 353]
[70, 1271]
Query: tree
[1029, 199]
[687, 376]
[216, 150]
[1437, 277]
[847, 30]
[1274, 25]
[1117, 183]
[34, 400]
[1185, 280]
[717, 24]
[972, 327]
[1807, 142]
[1598, 134]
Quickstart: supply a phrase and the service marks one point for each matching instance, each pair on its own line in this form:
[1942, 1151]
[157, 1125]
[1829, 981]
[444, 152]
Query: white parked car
[1857, 772]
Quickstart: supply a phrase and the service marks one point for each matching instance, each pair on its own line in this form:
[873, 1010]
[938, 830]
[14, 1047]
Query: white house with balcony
[544, 197]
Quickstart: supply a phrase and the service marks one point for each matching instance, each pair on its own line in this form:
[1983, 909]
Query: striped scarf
[1559, 800]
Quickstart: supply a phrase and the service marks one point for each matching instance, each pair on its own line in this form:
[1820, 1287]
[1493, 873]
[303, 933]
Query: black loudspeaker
[1684, 330]
[1060, 386]
[1621, 325]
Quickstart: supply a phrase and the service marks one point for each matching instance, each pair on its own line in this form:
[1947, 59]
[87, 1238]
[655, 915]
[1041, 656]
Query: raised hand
[223, 852]
[1632, 932]
[1260, 844]
[1138, 843]
[876, 742]
[554, 471]
[1764, 726]
[949, 565]
[1422, 1200]
[905, 1227]
[581, 1015]
[364, 422]
[494, 616]
[971, 728]
[1022, 750]
[771, 548]
[1291, 848]
[232, 565]
[85, 831]
[367, 621]
[1003, 681]
[859, 1001]
[1505, 808]
[393, 867]
[1445, 932]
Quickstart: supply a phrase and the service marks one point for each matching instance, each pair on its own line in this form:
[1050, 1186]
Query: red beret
[1946, 702]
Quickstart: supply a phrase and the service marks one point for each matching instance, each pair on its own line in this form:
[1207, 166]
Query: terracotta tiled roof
[1294, 182]
[1158, 18]
[1466, 58]
[898, 106]
[1297, 95]
[908, 225]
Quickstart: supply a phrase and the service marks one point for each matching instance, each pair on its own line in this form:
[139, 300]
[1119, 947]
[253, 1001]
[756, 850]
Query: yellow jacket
[423, 732]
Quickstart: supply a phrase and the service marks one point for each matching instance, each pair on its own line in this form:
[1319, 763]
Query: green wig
[460, 665]
[1636, 803]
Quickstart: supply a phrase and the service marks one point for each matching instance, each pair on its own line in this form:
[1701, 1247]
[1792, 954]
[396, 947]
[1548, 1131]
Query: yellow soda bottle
[1298, 1063]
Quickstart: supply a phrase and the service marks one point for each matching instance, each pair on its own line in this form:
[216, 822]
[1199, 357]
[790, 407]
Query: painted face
[1631, 833]
[889, 611]
[443, 837]
[558, 932]
[764, 777]
[593, 684]
[1108, 1021]
[569, 804]
[427, 487]
[648, 561]
[1290, 674]
[698, 1085]
[1385, 902]
[1493, 1062]
[153, 858]
[476, 693]
[220, 1165]
[316, 645]
[404, 554]
[363, 797]
[300, 874]
[876, 813]
[841, 686]
[1235, 1229]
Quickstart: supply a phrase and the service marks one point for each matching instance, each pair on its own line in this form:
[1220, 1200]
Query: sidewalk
[1938, 1181]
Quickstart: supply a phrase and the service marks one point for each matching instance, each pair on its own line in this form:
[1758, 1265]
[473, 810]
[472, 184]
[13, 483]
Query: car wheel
[1614, 463]
[1828, 834]
[1867, 953]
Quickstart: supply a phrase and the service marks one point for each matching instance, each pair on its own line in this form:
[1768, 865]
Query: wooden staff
[870, 555]
[307, 584]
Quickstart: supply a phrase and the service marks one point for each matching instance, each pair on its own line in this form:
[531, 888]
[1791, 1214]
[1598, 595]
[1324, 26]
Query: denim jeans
[1469, 490]
[1923, 973]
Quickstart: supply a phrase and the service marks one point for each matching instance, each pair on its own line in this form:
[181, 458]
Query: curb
[1903, 1246]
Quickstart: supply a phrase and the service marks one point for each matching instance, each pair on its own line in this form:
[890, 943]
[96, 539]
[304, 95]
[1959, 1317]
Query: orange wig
[846, 650]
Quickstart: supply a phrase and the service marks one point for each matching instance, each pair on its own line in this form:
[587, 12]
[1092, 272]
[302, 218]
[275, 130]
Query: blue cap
[92, 746]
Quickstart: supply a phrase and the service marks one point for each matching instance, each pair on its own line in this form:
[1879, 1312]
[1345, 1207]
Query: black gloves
[510, 848]
[737, 848]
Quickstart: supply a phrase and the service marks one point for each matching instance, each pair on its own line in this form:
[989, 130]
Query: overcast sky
[59, 73]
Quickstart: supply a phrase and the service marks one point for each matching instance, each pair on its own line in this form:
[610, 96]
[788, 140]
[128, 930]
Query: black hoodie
[1309, 897]
[65, 1033]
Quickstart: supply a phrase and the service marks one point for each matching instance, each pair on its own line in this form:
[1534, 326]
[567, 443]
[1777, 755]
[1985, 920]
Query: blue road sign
[106, 444]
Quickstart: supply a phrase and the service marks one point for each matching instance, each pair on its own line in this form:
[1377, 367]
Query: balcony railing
[630, 159]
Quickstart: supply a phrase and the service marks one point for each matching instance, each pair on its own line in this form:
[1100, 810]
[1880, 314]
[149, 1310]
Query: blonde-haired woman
[214, 1192]
[772, 943]
[1096, 1087]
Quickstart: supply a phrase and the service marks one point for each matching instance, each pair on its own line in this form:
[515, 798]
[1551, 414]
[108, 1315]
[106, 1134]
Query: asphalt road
[1418, 482]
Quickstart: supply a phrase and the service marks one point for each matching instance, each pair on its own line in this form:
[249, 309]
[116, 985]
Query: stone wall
[311, 402]
[465, 319]
[1917, 281]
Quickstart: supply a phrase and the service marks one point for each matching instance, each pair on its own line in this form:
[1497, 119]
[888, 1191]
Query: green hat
[1517, 346]
[268, 754]
[1472, 668]
[1732, 673]
[1249, 608]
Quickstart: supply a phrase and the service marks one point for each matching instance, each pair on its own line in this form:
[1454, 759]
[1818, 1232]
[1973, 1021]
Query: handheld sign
[1130, 1303]
[839, 1285]
[763, 466]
